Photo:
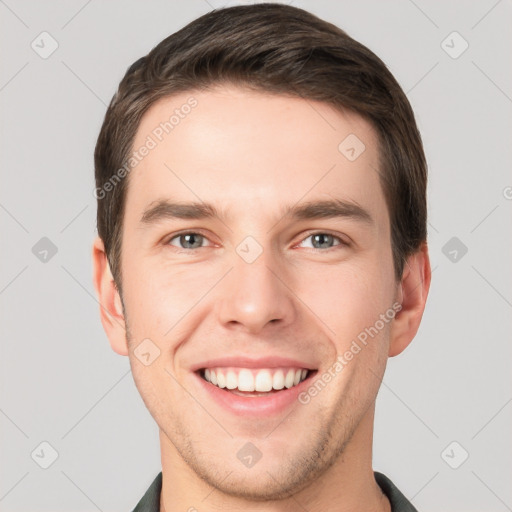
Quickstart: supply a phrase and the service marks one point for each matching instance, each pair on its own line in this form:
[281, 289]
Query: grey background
[60, 381]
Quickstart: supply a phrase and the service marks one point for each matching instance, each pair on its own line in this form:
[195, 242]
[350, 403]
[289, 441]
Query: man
[262, 251]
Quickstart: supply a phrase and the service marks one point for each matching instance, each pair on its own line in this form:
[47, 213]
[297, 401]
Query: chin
[261, 485]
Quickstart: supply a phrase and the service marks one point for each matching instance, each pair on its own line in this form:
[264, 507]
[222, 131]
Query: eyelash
[342, 243]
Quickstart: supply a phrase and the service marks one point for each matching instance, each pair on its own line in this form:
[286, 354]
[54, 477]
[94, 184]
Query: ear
[111, 310]
[412, 294]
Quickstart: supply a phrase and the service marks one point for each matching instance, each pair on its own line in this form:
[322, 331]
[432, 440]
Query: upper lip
[251, 362]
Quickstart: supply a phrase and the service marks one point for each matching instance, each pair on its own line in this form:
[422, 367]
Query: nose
[256, 294]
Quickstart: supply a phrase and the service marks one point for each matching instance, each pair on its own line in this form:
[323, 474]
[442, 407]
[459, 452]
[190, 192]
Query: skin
[251, 154]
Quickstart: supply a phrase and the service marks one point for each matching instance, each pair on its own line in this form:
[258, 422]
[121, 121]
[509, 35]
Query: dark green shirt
[150, 502]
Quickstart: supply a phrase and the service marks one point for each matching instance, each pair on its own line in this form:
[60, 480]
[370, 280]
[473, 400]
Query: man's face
[257, 295]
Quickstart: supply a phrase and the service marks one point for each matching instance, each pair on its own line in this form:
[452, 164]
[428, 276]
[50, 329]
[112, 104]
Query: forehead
[252, 152]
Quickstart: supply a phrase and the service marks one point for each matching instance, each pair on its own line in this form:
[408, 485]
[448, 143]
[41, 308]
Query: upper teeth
[245, 379]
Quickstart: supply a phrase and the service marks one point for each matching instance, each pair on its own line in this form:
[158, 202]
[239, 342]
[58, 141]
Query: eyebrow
[164, 209]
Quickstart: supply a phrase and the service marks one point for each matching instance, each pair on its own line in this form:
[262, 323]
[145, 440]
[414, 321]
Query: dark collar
[150, 502]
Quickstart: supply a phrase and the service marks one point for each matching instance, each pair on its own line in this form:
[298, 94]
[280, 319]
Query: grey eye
[188, 241]
[323, 240]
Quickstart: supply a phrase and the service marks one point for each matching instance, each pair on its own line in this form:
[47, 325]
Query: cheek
[346, 298]
[160, 296]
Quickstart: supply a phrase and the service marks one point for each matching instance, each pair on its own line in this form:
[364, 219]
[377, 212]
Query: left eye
[323, 240]
[189, 240]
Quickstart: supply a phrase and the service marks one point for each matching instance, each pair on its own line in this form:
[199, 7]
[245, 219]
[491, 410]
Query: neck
[348, 484]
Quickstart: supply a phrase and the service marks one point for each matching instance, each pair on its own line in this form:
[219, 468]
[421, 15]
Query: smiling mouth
[255, 382]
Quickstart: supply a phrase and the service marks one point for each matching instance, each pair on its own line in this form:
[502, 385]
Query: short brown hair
[277, 49]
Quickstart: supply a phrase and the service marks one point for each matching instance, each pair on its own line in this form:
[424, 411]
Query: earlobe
[111, 310]
[412, 294]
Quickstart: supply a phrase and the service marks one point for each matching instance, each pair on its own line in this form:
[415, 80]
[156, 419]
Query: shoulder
[399, 503]
[150, 502]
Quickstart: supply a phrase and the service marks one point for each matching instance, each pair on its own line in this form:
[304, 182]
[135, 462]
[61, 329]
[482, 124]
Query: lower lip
[265, 405]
